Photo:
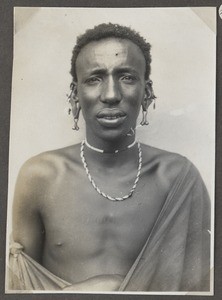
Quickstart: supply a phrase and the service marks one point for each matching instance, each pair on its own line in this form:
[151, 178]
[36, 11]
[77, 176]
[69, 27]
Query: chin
[113, 134]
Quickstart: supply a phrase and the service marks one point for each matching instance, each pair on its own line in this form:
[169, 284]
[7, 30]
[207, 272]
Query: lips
[110, 113]
[111, 117]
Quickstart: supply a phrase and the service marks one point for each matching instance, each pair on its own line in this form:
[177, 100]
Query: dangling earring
[72, 98]
[144, 110]
[148, 100]
[154, 103]
[144, 118]
[68, 109]
[76, 110]
[152, 97]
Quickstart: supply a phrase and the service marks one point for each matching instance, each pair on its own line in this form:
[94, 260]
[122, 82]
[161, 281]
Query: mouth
[111, 117]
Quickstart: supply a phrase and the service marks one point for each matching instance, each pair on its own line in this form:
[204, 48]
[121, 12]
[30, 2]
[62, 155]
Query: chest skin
[88, 235]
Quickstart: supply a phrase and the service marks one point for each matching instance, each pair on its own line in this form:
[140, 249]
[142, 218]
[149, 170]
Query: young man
[110, 214]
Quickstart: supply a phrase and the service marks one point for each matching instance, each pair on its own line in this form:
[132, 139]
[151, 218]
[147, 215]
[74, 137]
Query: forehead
[110, 53]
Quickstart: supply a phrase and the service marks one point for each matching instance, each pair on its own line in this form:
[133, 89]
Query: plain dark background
[6, 56]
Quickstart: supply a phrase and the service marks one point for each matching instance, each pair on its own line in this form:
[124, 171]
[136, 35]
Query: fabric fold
[26, 274]
[175, 256]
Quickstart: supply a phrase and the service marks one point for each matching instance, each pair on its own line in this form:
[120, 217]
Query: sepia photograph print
[112, 151]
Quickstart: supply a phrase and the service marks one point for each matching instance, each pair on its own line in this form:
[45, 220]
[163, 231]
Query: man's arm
[28, 229]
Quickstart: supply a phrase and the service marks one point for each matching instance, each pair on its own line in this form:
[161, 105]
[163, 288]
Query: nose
[111, 93]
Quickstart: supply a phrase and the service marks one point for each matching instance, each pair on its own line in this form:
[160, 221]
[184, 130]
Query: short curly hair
[103, 31]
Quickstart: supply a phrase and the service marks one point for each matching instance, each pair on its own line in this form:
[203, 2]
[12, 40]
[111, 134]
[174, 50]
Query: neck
[108, 151]
[112, 159]
[107, 145]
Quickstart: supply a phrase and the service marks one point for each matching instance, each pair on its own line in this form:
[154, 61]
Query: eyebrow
[102, 71]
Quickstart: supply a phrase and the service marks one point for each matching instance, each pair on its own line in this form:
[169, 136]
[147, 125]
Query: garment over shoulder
[176, 254]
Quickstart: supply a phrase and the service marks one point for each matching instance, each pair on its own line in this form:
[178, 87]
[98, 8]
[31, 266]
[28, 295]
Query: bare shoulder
[40, 172]
[162, 156]
[36, 186]
[47, 164]
[168, 164]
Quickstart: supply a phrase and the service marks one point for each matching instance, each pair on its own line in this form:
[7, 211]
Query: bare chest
[85, 230]
[87, 227]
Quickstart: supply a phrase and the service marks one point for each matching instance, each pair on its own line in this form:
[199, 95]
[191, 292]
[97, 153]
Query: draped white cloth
[175, 256]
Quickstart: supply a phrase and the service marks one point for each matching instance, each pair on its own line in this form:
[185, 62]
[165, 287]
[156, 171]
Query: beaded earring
[76, 110]
[72, 98]
[147, 100]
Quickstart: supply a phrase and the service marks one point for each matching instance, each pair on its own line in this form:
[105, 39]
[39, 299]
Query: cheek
[88, 96]
[134, 95]
[86, 100]
[86, 109]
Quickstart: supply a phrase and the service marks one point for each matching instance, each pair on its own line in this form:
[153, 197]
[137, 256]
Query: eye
[128, 78]
[93, 80]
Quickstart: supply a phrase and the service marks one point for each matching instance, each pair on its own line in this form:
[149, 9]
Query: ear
[74, 101]
[73, 97]
[148, 95]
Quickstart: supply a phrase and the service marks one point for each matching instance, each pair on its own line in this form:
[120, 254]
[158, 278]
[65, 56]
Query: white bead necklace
[96, 187]
[103, 151]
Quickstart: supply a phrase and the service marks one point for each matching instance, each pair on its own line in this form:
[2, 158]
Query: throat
[117, 150]
[111, 161]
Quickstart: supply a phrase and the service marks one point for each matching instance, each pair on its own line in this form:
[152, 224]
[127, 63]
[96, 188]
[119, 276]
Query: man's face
[110, 86]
